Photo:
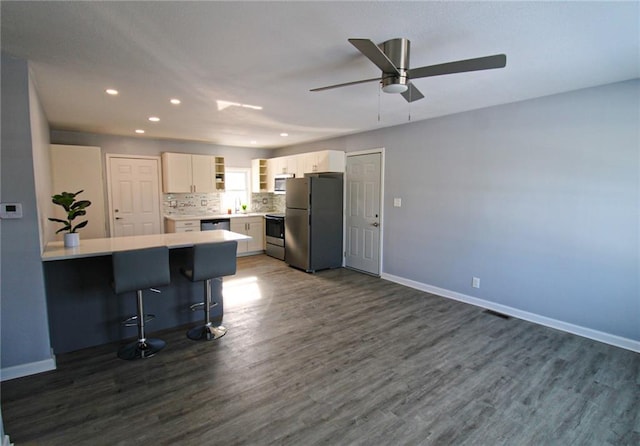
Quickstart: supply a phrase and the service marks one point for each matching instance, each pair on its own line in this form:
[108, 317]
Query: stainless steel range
[274, 235]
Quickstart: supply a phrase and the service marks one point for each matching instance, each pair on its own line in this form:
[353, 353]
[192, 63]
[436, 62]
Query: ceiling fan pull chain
[378, 104]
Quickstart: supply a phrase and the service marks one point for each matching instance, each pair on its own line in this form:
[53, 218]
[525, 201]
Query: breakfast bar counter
[83, 309]
[107, 246]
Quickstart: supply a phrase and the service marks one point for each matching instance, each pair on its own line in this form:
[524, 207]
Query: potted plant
[244, 208]
[74, 209]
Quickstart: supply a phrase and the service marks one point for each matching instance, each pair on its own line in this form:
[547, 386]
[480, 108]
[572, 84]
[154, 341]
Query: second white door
[363, 179]
[135, 196]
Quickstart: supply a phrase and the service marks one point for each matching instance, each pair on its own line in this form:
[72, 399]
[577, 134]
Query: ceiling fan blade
[375, 55]
[346, 83]
[460, 66]
[412, 93]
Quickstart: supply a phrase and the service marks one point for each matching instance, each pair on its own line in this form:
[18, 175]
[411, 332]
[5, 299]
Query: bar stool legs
[210, 261]
[143, 347]
[207, 331]
[137, 270]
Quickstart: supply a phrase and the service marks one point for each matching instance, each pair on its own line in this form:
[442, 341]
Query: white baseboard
[18, 371]
[607, 338]
[6, 441]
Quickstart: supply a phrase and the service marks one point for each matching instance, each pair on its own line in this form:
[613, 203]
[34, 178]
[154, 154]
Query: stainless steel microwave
[280, 182]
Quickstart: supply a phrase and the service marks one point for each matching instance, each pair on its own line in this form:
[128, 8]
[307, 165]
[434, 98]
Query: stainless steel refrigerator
[313, 223]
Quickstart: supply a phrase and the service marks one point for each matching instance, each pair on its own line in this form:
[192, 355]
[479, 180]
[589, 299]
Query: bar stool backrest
[140, 269]
[211, 260]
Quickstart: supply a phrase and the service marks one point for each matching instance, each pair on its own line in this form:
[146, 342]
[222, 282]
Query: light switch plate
[397, 202]
[10, 210]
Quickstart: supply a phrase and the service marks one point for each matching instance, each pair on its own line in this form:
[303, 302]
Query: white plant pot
[71, 239]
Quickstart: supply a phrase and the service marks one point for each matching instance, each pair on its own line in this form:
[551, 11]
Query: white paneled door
[363, 179]
[135, 196]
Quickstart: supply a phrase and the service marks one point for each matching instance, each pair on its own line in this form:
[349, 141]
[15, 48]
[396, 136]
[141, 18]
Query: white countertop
[181, 217]
[106, 246]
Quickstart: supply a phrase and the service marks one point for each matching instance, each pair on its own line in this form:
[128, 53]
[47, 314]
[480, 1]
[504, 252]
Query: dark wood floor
[338, 358]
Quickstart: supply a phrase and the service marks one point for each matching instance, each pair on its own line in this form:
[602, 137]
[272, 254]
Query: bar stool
[134, 271]
[210, 261]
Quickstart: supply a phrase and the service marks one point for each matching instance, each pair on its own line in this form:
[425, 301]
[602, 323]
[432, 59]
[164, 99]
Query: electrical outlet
[475, 282]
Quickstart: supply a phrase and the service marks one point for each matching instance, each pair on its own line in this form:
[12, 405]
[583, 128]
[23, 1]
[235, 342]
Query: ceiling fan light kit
[392, 57]
[390, 85]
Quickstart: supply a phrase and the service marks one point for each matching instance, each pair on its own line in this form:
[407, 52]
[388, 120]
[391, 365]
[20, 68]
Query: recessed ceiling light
[284, 134]
[139, 131]
[174, 101]
[111, 91]
[154, 119]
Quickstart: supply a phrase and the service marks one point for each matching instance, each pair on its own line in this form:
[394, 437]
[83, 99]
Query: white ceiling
[272, 53]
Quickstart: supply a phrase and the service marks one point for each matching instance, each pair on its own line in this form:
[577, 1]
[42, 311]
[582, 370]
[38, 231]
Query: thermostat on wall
[10, 210]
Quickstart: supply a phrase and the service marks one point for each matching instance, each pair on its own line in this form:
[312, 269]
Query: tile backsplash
[192, 204]
[205, 204]
[267, 202]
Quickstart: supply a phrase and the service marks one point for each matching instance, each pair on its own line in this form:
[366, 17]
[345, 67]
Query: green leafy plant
[244, 207]
[73, 208]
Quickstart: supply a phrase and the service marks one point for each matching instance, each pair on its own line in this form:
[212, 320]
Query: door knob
[376, 224]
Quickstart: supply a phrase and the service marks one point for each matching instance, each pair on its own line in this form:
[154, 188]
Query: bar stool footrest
[200, 306]
[133, 320]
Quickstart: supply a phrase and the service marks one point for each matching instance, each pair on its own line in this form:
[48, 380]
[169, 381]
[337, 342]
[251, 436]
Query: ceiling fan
[392, 57]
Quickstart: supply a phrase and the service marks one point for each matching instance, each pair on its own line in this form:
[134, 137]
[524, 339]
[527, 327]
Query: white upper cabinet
[284, 165]
[185, 173]
[176, 172]
[323, 161]
[280, 166]
[203, 168]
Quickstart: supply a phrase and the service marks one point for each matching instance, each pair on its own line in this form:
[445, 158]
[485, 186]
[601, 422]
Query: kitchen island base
[84, 311]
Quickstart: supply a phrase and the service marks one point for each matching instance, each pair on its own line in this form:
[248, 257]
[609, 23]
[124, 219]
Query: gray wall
[23, 315]
[540, 199]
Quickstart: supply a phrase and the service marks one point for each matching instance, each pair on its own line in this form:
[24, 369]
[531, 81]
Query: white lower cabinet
[181, 225]
[254, 228]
